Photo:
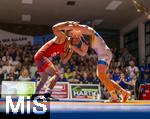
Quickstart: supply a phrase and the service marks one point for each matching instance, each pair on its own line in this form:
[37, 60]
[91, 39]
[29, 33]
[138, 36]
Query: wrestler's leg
[44, 77]
[104, 77]
[122, 91]
[51, 70]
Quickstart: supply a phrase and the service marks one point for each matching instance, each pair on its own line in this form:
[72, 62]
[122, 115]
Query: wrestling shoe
[126, 96]
[34, 96]
[49, 97]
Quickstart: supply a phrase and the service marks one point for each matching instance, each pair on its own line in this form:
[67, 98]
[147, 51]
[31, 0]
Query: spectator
[62, 78]
[77, 70]
[68, 75]
[144, 68]
[126, 83]
[24, 75]
[85, 78]
[116, 75]
[133, 70]
[145, 79]
[12, 75]
[95, 79]
[74, 78]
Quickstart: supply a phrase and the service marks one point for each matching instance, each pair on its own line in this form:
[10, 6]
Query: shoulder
[59, 40]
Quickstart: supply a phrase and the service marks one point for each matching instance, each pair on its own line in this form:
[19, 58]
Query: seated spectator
[90, 78]
[76, 69]
[68, 75]
[16, 61]
[116, 75]
[62, 78]
[7, 57]
[126, 83]
[12, 75]
[85, 78]
[74, 78]
[24, 75]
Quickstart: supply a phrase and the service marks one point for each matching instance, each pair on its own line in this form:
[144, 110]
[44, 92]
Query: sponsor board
[9, 38]
[61, 90]
[85, 91]
[17, 88]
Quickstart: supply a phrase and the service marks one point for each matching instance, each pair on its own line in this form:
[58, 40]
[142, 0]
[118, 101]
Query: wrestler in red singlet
[59, 45]
[50, 49]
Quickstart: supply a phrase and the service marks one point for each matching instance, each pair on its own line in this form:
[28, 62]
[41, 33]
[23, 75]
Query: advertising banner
[17, 88]
[61, 90]
[85, 91]
[9, 38]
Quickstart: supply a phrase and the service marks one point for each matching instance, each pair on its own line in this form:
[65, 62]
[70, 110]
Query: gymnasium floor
[75, 109]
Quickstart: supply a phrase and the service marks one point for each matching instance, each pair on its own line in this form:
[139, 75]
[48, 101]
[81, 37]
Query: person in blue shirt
[144, 68]
[146, 79]
[116, 75]
[126, 82]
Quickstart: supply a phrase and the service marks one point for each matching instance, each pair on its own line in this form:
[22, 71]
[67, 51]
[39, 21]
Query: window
[147, 40]
[131, 42]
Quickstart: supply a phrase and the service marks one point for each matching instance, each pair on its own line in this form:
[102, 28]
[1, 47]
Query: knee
[56, 74]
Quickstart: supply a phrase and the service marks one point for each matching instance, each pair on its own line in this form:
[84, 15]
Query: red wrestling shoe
[126, 96]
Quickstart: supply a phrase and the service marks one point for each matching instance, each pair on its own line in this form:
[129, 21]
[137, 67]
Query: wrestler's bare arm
[81, 51]
[66, 56]
[57, 29]
[68, 25]
[84, 29]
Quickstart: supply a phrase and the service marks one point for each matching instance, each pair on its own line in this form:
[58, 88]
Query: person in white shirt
[133, 70]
